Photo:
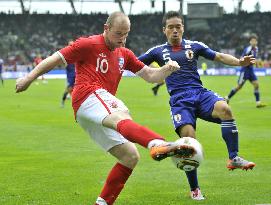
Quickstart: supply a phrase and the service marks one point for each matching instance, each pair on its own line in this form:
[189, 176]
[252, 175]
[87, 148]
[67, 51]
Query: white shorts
[91, 113]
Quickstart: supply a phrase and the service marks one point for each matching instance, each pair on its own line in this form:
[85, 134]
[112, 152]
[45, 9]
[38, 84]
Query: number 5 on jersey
[166, 57]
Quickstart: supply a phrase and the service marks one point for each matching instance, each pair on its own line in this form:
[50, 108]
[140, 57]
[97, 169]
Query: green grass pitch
[46, 158]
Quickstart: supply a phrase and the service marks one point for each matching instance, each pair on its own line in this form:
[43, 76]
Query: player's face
[174, 30]
[116, 35]
[253, 42]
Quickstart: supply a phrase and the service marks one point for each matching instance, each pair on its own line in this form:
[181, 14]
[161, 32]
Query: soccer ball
[189, 164]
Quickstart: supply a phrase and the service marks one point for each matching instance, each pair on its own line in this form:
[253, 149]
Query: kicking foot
[170, 149]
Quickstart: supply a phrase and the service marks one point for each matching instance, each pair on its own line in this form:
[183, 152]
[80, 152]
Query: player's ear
[106, 27]
[164, 29]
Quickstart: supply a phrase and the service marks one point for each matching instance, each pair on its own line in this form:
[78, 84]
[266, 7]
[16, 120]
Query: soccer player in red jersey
[100, 61]
[37, 61]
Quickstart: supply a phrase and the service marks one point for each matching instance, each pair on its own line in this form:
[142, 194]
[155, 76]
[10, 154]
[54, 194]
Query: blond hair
[116, 16]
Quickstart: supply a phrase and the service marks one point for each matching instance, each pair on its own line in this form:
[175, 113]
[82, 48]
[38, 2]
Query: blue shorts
[70, 82]
[246, 74]
[187, 106]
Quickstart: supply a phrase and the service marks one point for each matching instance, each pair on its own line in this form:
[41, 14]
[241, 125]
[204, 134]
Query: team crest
[113, 104]
[177, 118]
[121, 64]
[102, 55]
[189, 54]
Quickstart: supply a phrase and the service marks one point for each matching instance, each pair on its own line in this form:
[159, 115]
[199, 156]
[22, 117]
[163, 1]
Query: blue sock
[233, 91]
[230, 135]
[257, 95]
[192, 178]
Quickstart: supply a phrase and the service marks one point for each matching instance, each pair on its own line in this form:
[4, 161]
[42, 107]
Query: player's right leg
[192, 176]
[240, 82]
[233, 92]
[159, 148]
[105, 109]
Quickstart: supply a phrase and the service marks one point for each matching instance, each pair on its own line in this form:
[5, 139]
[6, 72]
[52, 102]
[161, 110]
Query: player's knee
[113, 119]
[131, 160]
[225, 112]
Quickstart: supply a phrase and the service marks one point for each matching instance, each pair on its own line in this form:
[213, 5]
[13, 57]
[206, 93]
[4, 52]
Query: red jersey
[97, 67]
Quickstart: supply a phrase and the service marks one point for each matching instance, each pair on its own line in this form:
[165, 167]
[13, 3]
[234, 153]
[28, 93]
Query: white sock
[155, 142]
[101, 201]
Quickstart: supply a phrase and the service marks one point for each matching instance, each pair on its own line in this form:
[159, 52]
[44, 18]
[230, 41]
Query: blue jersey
[189, 100]
[70, 70]
[186, 55]
[1, 65]
[249, 50]
[247, 72]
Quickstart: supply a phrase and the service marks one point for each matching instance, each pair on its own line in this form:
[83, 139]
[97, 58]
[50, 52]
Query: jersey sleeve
[133, 64]
[205, 51]
[147, 57]
[76, 51]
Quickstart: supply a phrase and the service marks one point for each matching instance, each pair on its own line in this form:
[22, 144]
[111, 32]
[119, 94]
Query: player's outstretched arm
[157, 75]
[46, 65]
[231, 60]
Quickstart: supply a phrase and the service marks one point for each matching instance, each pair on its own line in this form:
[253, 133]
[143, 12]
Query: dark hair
[171, 14]
[253, 36]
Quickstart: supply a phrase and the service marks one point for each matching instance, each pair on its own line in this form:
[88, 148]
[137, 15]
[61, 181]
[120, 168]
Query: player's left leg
[128, 157]
[230, 135]
[64, 97]
[156, 88]
[255, 84]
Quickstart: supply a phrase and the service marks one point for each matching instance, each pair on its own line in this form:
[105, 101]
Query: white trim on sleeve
[62, 57]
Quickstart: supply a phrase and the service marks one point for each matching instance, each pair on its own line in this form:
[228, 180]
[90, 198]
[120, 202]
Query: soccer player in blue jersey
[247, 73]
[70, 71]
[189, 100]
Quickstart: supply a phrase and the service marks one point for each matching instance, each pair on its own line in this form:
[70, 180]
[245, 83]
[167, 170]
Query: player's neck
[107, 43]
[175, 43]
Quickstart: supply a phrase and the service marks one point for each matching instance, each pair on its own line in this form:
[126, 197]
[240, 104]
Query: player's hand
[22, 84]
[247, 60]
[173, 66]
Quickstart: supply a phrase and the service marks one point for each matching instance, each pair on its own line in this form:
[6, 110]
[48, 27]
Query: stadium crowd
[23, 36]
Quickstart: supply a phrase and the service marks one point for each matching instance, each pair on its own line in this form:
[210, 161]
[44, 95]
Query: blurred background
[29, 28]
